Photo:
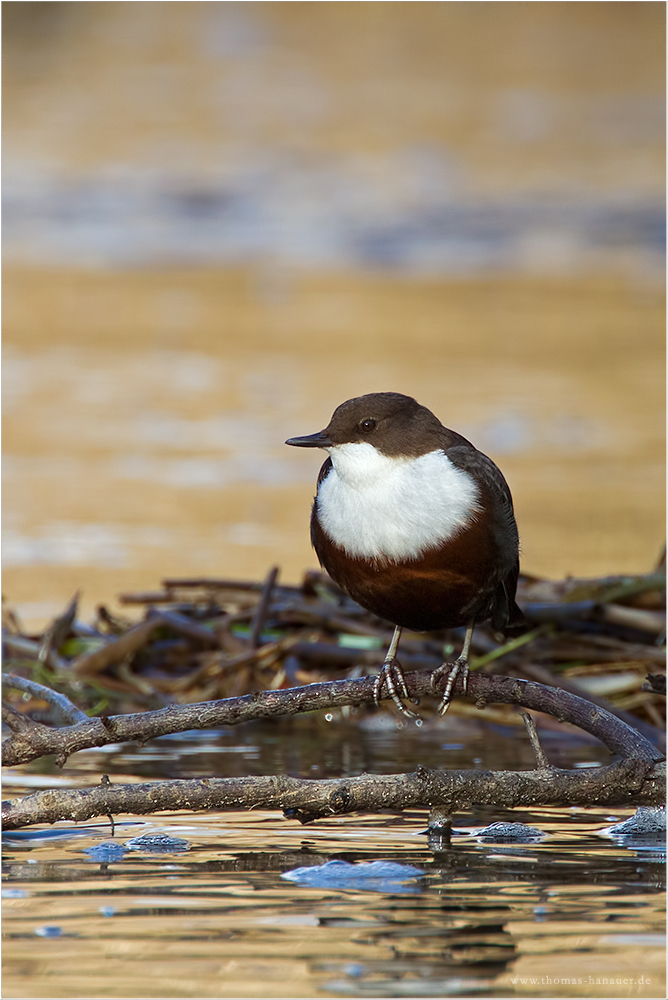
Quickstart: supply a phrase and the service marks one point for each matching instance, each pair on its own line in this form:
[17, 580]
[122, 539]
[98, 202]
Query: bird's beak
[319, 440]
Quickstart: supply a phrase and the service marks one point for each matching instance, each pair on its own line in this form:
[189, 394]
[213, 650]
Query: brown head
[396, 425]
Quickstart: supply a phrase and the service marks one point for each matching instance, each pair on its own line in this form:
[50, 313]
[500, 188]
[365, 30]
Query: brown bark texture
[638, 779]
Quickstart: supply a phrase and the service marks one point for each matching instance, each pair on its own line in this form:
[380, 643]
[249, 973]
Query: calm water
[222, 220]
[146, 414]
[214, 916]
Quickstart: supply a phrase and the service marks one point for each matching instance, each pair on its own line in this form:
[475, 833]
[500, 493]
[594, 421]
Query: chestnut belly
[445, 588]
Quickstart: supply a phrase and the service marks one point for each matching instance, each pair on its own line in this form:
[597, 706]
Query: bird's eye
[368, 425]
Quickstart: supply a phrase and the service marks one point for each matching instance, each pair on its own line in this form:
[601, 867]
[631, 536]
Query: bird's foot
[391, 676]
[460, 668]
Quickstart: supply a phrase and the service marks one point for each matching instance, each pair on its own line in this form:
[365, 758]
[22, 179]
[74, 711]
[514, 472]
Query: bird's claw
[391, 676]
[454, 670]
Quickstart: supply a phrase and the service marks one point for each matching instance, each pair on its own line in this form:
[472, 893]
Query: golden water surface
[146, 412]
[578, 914]
[221, 220]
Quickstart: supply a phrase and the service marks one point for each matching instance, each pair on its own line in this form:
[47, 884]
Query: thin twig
[263, 657]
[508, 647]
[556, 611]
[655, 683]
[117, 649]
[28, 649]
[59, 629]
[539, 753]
[61, 702]
[184, 626]
[262, 609]
[325, 616]
[214, 584]
[570, 684]
[323, 654]
[653, 622]
[627, 587]
[146, 597]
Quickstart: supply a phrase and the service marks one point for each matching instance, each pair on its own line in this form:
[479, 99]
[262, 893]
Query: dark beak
[319, 440]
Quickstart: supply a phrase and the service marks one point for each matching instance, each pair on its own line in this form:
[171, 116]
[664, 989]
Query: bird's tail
[516, 623]
[507, 617]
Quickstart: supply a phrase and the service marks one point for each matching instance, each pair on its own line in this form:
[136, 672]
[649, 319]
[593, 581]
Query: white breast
[393, 508]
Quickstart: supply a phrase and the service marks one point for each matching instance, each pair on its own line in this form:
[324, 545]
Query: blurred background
[223, 219]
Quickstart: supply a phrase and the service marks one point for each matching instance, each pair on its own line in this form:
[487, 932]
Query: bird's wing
[484, 471]
[490, 478]
[506, 616]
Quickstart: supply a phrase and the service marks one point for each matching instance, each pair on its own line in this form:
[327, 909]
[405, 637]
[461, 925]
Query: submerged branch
[632, 782]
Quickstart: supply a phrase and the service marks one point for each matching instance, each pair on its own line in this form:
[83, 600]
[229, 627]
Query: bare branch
[539, 753]
[28, 649]
[15, 720]
[211, 583]
[262, 608]
[61, 702]
[655, 683]
[262, 656]
[59, 629]
[633, 782]
[116, 650]
[185, 626]
[541, 674]
[653, 622]
[482, 688]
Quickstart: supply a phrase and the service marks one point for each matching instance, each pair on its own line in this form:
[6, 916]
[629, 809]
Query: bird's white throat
[390, 508]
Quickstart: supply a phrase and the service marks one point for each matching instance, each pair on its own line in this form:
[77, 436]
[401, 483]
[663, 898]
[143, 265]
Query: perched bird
[415, 524]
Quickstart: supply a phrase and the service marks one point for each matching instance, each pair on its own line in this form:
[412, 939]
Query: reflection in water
[250, 904]
[230, 924]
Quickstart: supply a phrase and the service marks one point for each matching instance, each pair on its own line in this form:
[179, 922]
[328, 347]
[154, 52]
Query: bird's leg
[391, 674]
[460, 666]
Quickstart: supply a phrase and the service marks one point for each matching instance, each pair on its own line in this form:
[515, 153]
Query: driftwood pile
[207, 653]
[200, 640]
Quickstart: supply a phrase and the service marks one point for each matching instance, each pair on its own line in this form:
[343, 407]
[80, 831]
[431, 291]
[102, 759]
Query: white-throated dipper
[415, 524]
